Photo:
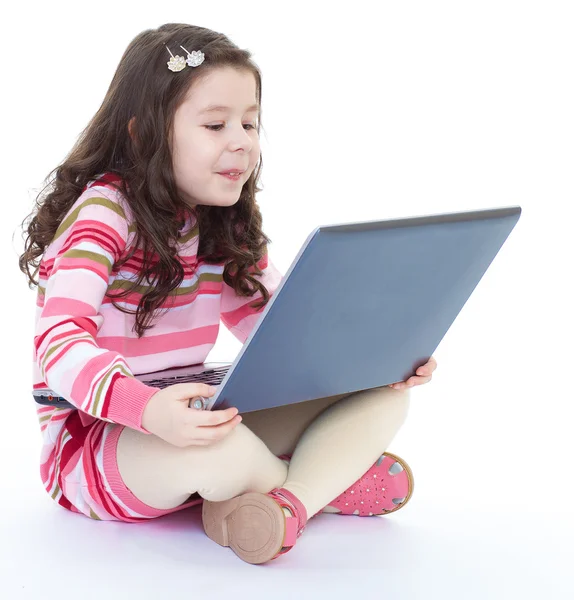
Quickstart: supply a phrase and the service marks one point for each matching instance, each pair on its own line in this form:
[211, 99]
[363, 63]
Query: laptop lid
[363, 305]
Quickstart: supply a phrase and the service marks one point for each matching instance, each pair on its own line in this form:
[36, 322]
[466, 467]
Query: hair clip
[195, 58]
[177, 63]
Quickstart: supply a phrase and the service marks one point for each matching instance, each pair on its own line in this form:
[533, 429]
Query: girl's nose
[241, 140]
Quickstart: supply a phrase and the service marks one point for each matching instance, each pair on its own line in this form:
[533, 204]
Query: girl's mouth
[232, 177]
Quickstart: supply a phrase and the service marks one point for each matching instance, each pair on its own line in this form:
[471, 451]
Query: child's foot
[254, 525]
[386, 487]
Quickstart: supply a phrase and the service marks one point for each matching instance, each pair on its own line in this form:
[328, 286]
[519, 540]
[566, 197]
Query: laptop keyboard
[211, 377]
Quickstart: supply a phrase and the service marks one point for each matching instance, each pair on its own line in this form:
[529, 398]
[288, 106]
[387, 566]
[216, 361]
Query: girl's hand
[168, 415]
[424, 376]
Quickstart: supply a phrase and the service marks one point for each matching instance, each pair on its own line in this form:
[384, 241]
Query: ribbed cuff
[128, 400]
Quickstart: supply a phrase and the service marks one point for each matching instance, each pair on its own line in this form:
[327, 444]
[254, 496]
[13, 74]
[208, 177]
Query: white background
[370, 110]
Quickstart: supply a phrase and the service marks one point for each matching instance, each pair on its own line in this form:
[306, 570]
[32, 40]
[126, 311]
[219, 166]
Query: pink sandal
[254, 525]
[386, 487]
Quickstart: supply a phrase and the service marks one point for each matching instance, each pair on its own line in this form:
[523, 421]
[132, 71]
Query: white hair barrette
[177, 63]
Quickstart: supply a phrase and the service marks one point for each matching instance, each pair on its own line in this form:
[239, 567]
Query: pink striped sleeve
[236, 313]
[76, 271]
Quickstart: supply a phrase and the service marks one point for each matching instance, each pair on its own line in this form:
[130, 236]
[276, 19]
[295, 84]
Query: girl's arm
[73, 281]
[236, 314]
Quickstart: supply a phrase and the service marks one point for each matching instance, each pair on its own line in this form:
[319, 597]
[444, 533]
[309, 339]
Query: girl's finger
[418, 380]
[218, 432]
[216, 417]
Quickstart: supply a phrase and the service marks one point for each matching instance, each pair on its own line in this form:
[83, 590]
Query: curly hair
[142, 87]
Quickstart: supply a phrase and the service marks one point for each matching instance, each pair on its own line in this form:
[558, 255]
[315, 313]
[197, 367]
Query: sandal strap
[295, 525]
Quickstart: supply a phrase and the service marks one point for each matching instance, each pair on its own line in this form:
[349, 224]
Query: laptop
[363, 305]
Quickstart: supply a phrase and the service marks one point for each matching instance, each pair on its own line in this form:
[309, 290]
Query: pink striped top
[84, 347]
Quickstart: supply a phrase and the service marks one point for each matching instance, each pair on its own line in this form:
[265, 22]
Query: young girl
[144, 242]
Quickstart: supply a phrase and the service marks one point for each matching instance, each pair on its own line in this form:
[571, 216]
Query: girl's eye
[218, 127]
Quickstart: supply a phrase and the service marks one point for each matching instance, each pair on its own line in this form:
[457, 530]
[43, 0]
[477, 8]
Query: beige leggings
[334, 441]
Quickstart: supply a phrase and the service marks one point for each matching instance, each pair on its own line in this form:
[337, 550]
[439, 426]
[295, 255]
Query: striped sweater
[85, 348]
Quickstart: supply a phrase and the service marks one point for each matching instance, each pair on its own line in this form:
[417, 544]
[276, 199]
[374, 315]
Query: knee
[402, 400]
[241, 449]
[389, 407]
[241, 445]
[399, 398]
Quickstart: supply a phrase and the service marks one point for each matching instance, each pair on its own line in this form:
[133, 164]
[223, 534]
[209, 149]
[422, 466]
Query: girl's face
[207, 142]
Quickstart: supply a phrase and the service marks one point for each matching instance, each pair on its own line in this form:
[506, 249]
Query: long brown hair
[143, 87]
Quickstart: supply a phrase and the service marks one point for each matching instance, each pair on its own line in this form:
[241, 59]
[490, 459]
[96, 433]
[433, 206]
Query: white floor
[490, 518]
[426, 551]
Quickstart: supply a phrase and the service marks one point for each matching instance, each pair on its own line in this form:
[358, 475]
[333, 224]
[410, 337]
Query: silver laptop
[362, 305]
